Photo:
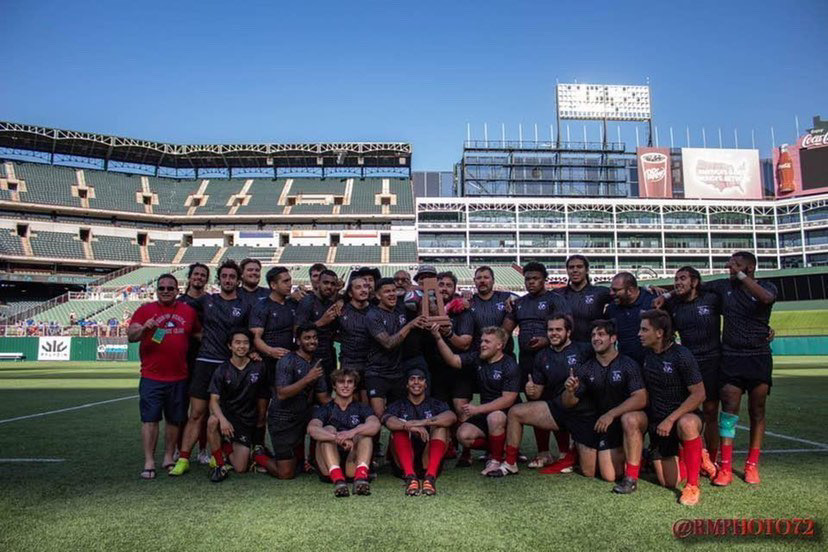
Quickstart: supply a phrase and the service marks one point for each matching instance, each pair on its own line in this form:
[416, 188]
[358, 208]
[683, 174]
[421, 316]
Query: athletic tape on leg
[727, 424]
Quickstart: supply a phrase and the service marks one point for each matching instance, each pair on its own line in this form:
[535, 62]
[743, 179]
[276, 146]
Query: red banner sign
[655, 179]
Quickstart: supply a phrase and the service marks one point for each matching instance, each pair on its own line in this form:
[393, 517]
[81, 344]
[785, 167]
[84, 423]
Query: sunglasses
[166, 288]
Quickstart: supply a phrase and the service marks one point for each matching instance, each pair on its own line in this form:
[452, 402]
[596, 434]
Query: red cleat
[708, 468]
[564, 465]
[752, 474]
[723, 478]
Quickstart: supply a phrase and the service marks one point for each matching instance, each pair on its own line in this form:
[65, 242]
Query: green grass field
[93, 500]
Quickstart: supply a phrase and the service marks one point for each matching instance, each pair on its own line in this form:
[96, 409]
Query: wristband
[741, 275]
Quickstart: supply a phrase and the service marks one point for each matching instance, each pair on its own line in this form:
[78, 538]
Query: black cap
[416, 372]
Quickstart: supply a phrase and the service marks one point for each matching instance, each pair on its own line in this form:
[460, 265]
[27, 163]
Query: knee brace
[727, 425]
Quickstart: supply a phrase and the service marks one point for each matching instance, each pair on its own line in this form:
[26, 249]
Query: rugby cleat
[412, 486]
[219, 473]
[508, 469]
[204, 457]
[564, 465]
[690, 495]
[723, 478]
[362, 487]
[181, 467]
[627, 485]
[492, 469]
[708, 468]
[752, 474]
[341, 489]
[429, 486]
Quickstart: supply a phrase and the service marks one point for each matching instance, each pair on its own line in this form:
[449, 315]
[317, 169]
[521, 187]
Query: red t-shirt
[166, 361]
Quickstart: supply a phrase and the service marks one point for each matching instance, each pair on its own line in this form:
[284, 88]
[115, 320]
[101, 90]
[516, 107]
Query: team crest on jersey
[500, 306]
[254, 377]
[589, 299]
[616, 376]
[355, 419]
[667, 367]
[402, 319]
[542, 305]
[236, 312]
[372, 392]
[704, 310]
[572, 360]
[427, 414]
[496, 375]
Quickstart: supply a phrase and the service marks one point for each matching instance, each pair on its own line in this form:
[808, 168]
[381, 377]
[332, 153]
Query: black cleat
[219, 473]
[362, 487]
[412, 485]
[627, 485]
[429, 486]
[463, 462]
[341, 489]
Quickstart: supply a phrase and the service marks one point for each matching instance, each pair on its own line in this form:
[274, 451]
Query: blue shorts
[163, 397]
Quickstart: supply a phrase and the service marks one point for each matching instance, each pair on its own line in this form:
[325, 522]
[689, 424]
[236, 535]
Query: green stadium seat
[10, 243]
[163, 251]
[56, 245]
[116, 248]
[200, 254]
[49, 184]
[114, 191]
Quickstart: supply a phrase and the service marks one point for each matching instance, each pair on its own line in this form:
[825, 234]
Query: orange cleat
[690, 495]
[723, 478]
[564, 465]
[707, 466]
[752, 474]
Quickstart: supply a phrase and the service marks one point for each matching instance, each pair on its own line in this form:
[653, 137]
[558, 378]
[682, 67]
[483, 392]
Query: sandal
[147, 474]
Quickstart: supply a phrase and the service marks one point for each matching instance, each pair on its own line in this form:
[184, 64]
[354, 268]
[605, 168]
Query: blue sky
[203, 71]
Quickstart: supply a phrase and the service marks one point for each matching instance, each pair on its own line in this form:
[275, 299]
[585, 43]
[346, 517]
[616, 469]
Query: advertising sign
[54, 348]
[614, 102]
[721, 173]
[655, 178]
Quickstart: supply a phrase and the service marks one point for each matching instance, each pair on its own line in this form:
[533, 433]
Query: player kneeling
[419, 428]
[343, 429]
[235, 389]
[674, 384]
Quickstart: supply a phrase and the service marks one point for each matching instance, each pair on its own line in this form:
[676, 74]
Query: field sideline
[92, 499]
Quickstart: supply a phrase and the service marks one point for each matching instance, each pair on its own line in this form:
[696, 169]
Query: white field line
[783, 451]
[789, 438]
[30, 460]
[79, 407]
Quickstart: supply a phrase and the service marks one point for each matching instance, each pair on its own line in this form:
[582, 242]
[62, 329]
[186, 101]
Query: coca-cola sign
[654, 175]
[811, 140]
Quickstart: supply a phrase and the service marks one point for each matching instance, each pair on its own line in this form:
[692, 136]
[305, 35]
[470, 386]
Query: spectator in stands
[164, 329]
[314, 273]
[73, 319]
[112, 324]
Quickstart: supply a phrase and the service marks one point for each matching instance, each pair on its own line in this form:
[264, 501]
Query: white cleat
[492, 469]
[203, 457]
[508, 469]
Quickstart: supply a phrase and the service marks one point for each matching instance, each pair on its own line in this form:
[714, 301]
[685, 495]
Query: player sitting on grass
[419, 428]
[544, 410]
[498, 379]
[674, 385]
[299, 378]
[612, 383]
[235, 389]
[343, 429]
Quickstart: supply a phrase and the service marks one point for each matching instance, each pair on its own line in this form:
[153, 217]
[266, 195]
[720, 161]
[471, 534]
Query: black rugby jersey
[309, 310]
[608, 386]
[254, 297]
[667, 375]
[219, 317]
[383, 362]
[586, 305]
[627, 323]
[239, 390]
[290, 369]
[493, 378]
[698, 324]
[407, 411]
[276, 319]
[343, 420]
[746, 321]
[531, 313]
[551, 368]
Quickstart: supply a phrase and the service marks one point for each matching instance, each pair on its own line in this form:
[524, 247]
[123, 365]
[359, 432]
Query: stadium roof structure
[194, 156]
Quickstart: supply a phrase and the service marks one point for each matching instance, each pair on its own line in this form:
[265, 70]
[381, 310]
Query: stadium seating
[304, 254]
[201, 254]
[363, 197]
[10, 243]
[236, 252]
[219, 192]
[12, 308]
[145, 275]
[311, 209]
[56, 245]
[405, 198]
[114, 191]
[172, 194]
[315, 186]
[117, 311]
[403, 252]
[5, 195]
[358, 254]
[82, 309]
[264, 197]
[47, 184]
[507, 276]
[116, 248]
[162, 251]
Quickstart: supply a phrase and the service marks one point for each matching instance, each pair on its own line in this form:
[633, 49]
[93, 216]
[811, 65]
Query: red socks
[261, 460]
[436, 450]
[542, 439]
[753, 456]
[692, 458]
[631, 471]
[562, 438]
[336, 474]
[727, 457]
[405, 452]
[512, 454]
[361, 472]
[682, 466]
[480, 443]
[496, 443]
[219, 457]
[227, 448]
[185, 454]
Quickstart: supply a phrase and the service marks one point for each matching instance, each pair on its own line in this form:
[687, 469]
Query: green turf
[95, 501]
[804, 322]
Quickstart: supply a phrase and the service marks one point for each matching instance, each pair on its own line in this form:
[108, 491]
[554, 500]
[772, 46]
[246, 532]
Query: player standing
[629, 301]
[586, 301]
[322, 309]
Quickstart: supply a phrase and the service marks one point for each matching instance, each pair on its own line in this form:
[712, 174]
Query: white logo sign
[54, 348]
[815, 140]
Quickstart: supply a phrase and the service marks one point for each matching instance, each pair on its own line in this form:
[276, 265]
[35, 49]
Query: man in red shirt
[164, 329]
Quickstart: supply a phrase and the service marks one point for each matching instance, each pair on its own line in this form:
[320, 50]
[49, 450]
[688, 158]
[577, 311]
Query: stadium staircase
[177, 258]
[285, 192]
[80, 179]
[145, 257]
[217, 257]
[385, 254]
[147, 191]
[331, 258]
[87, 250]
[27, 246]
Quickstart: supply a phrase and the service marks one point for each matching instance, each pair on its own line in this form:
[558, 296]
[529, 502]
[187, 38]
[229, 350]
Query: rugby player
[746, 359]
[628, 302]
[220, 314]
[696, 316]
[419, 428]
[251, 275]
[553, 366]
[314, 273]
[498, 380]
[166, 329]
[299, 379]
[235, 389]
[355, 341]
[344, 429]
[322, 309]
[676, 392]
[459, 336]
[612, 383]
[586, 301]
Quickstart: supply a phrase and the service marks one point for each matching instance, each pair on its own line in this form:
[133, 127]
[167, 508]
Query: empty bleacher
[56, 245]
[315, 186]
[264, 197]
[146, 275]
[116, 248]
[162, 251]
[363, 197]
[403, 252]
[173, 194]
[304, 254]
[236, 252]
[405, 197]
[311, 209]
[13, 308]
[114, 191]
[219, 192]
[117, 311]
[82, 309]
[359, 254]
[47, 184]
[10, 243]
[201, 254]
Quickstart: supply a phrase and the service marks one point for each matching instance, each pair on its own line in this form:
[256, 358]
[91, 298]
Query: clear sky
[419, 71]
